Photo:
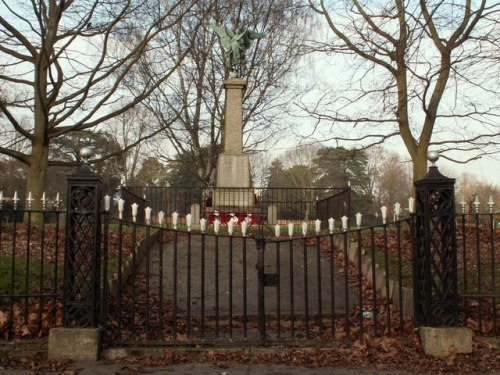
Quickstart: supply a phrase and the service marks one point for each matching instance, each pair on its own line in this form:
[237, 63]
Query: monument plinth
[233, 166]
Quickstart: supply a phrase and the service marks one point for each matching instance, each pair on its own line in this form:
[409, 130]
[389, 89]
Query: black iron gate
[196, 288]
[185, 288]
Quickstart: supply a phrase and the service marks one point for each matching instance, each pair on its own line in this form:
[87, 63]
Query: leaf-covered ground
[382, 354]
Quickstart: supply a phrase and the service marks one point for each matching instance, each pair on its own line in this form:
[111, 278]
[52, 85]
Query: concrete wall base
[74, 343]
[441, 342]
[380, 279]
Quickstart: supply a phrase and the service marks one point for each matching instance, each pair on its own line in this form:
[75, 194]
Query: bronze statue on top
[235, 44]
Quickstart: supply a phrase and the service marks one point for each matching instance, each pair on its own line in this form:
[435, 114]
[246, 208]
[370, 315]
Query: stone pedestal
[234, 200]
[195, 213]
[74, 343]
[233, 171]
[441, 342]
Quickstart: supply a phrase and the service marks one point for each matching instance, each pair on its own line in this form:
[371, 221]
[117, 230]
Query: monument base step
[234, 200]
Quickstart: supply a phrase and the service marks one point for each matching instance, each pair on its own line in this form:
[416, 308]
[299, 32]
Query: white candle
[216, 226]
[331, 224]
[135, 207]
[383, 210]
[121, 203]
[411, 205]
[147, 212]
[317, 225]
[107, 202]
[359, 216]
[397, 210]
[277, 230]
[203, 225]
[290, 229]
[304, 228]
[344, 222]
[175, 218]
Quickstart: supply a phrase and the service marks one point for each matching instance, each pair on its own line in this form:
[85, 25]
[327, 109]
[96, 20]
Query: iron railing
[478, 247]
[31, 272]
[146, 275]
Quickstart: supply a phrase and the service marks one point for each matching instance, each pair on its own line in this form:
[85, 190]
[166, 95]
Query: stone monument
[233, 191]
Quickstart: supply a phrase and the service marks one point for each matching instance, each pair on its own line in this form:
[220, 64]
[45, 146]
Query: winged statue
[235, 43]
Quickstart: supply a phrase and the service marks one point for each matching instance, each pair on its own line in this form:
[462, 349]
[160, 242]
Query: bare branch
[440, 89]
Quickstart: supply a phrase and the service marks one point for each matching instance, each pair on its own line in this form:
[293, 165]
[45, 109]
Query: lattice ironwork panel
[82, 256]
[435, 259]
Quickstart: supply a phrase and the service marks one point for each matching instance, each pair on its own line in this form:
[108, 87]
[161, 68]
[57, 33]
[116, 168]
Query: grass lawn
[40, 275]
[35, 276]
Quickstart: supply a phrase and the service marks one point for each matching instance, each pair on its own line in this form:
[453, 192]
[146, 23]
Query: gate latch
[271, 279]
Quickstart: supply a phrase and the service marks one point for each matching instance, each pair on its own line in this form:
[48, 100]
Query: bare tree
[259, 165]
[424, 71]
[65, 65]
[196, 95]
[470, 190]
[391, 178]
[135, 131]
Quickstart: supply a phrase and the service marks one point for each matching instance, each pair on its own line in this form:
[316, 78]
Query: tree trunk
[419, 165]
[39, 158]
[36, 178]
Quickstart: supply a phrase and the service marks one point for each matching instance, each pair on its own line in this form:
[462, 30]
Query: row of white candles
[245, 223]
[383, 209]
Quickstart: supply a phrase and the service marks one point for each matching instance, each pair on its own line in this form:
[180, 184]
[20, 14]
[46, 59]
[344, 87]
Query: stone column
[233, 131]
[233, 166]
